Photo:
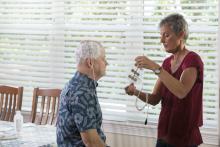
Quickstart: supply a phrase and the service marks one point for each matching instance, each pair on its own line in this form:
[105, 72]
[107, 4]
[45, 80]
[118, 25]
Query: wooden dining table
[31, 135]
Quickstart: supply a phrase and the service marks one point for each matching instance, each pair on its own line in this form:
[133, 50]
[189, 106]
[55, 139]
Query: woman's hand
[144, 62]
[130, 89]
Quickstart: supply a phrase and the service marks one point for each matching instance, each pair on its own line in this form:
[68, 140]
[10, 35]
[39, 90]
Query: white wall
[120, 140]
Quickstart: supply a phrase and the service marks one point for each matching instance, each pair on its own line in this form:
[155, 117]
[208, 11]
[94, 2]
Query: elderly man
[80, 117]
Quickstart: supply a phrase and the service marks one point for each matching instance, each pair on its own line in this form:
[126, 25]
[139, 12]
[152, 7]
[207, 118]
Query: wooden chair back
[10, 101]
[45, 105]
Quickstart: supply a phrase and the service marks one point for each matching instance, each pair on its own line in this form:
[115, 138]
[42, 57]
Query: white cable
[93, 74]
[146, 100]
[92, 58]
[146, 104]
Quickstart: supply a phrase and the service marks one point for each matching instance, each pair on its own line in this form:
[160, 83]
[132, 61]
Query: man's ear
[89, 62]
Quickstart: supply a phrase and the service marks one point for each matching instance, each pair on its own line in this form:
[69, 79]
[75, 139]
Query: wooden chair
[48, 99]
[10, 101]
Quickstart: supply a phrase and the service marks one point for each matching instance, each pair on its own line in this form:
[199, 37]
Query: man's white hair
[88, 49]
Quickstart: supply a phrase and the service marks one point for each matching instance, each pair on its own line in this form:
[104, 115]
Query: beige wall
[119, 140]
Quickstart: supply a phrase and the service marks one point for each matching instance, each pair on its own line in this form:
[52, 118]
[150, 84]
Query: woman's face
[170, 40]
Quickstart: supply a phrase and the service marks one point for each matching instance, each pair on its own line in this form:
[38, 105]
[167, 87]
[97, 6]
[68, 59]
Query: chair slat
[42, 109]
[53, 110]
[13, 108]
[9, 107]
[57, 110]
[1, 103]
[5, 107]
[47, 109]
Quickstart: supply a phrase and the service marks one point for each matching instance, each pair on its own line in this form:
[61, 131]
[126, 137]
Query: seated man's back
[80, 117]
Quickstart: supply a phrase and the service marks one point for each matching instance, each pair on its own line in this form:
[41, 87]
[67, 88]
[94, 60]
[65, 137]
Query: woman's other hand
[130, 89]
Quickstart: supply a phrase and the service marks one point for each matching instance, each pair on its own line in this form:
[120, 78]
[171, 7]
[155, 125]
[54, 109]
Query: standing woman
[179, 87]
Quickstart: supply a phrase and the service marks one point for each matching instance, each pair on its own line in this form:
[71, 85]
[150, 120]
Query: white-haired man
[80, 117]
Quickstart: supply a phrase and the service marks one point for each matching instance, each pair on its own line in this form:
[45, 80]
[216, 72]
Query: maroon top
[180, 119]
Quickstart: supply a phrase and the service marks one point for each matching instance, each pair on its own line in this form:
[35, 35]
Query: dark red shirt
[180, 119]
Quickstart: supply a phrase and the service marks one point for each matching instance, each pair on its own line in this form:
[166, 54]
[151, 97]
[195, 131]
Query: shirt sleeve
[194, 60]
[83, 111]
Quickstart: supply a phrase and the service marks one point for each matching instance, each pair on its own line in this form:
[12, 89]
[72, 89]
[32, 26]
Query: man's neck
[86, 71]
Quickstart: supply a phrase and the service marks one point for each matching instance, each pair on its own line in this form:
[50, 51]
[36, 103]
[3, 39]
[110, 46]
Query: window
[38, 38]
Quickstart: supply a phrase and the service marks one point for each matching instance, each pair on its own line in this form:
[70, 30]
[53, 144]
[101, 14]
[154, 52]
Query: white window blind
[38, 38]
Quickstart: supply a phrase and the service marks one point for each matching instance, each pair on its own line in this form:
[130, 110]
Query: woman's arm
[152, 99]
[182, 87]
[179, 88]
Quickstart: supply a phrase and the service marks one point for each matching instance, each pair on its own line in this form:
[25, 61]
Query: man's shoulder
[75, 88]
[76, 92]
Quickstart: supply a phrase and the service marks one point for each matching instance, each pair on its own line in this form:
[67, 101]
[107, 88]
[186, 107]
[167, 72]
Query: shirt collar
[85, 80]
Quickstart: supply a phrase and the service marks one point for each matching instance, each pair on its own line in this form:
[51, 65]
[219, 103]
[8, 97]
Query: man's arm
[91, 138]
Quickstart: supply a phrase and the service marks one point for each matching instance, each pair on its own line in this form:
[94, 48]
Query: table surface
[31, 135]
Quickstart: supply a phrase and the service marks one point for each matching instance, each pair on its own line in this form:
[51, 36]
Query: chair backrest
[48, 99]
[10, 101]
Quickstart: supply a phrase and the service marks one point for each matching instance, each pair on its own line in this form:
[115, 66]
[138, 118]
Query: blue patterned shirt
[79, 110]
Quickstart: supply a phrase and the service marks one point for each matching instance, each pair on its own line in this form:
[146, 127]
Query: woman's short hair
[88, 49]
[177, 24]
